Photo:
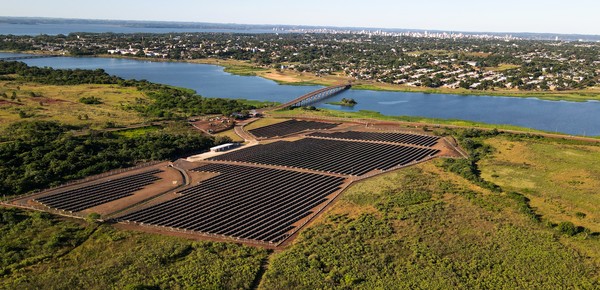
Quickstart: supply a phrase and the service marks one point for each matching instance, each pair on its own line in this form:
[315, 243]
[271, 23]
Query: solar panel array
[343, 157]
[400, 138]
[243, 202]
[290, 127]
[92, 195]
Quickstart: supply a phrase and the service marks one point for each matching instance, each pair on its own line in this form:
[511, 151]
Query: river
[576, 118]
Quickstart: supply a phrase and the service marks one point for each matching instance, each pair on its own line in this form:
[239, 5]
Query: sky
[551, 16]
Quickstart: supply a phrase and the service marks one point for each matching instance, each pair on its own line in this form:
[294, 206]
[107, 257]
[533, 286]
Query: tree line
[39, 154]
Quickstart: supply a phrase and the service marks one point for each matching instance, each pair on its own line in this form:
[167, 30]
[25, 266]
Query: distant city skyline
[550, 16]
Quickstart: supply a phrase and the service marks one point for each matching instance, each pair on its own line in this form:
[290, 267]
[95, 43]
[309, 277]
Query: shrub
[90, 100]
[567, 228]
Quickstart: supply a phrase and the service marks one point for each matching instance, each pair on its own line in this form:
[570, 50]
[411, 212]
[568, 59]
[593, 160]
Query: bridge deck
[334, 89]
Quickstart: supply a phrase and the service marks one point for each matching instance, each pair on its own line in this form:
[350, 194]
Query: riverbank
[289, 77]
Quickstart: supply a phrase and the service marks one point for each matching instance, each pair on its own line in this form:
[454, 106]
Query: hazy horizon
[510, 16]
[292, 25]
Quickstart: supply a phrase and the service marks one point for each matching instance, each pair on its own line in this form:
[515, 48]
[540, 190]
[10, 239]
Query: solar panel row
[400, 138]
[290, 127]
[342, 157]
[92, 195]
[243, 202]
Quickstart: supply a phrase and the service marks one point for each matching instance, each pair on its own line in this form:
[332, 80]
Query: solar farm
[265, 211]
[260, 194]
[342, 157]
[290, 127]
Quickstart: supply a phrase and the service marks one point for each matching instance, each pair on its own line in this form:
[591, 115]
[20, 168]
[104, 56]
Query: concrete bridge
[315, 96]
[28, 57]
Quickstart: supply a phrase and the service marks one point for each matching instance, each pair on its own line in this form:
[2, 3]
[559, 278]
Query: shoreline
[235, 66]
[245, 68]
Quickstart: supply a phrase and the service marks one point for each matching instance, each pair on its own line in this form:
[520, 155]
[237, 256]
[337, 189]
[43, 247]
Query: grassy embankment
[39, 251]
[61, 103]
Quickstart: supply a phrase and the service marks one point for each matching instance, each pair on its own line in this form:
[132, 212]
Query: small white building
[224, 147]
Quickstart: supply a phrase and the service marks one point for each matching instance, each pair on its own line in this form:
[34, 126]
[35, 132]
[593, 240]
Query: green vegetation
[61, 103]
[468, 168]
[37, 154]
[38, 251]
[422, 228]
[257, 103]
[559, 177]
[243, 70]
[344, 102]
[90, 100]
[138, 132]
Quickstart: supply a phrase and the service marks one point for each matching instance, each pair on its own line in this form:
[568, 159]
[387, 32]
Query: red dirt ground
[9, 103]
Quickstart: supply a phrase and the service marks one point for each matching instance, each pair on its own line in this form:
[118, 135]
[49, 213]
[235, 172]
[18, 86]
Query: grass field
[562, 180]
[427, 229]
[61, 103]
[231, 134]
[62, 254]
[137, 132]
[502, 67]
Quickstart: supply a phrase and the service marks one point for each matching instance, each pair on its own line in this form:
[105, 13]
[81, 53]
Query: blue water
[54, 29]
[577, 118]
